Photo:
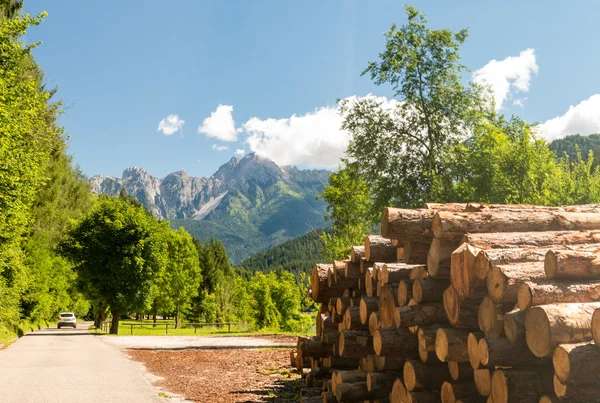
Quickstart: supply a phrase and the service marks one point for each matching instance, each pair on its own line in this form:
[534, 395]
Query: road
[69, 365]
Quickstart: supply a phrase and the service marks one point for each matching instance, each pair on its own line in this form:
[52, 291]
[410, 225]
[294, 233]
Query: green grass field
[146, 328]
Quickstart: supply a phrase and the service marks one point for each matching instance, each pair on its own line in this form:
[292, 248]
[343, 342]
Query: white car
[67, 319]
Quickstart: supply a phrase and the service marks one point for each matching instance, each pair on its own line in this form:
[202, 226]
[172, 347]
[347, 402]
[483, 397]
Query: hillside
[296, 255]
[568, 145]
[250, 204]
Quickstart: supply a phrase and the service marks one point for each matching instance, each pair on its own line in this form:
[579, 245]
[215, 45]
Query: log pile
[461, 303]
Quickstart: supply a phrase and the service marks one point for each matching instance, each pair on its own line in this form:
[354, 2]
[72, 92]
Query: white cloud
[520, 102]
[512, 74]
[314, 139]
[239, 151]
[219, 148]
[583, 118]
[171, 124]
[220, 124]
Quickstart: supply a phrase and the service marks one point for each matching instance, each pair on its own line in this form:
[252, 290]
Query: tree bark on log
[575, 392]
[351, 392]
[367, 306]
[355, 344]
[540, 240]
[420, 315]
[328, 397]
[365, 264]
[379, 249]
[451, 344]
[503, 281]
[320, 291]
[486, 259]
[448, 225]
[453, 392]
[483, 381]
[572, 265]
[422, 396]
[404, 224]
[577, 363]
[369, 282]
[429, 289]
[514, 326]
[395, 272]
[502, 353]
[416, 252]
[520, 385]
[394, 342]
[337, 362]
[381, 383]
[418, 375]
[596, 327]
[491, 317]
[352, 319]
[309, 348]
[352, 269]
[383, 363]
[547, 326]
[462, 273]
[460, 371]
[543, 292]
[357, 253]
[439, 257]
[343, 303]
[426, 340]
[461, 314]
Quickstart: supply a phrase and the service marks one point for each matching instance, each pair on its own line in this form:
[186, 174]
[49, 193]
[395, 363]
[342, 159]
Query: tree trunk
[394, 272]
[370, 282]
[452, 392]
[352, 319]
[404, 224]
[318, 281]
[355, 344]
[577, 363]
[114, 325]
[420, 315]
[387, 305]
[452, 344]
[352, 269]
[350, 392]
[439, 257]
[486, 259]
[491, 317]
[416, 252]
[520, 385]
[543, 292]
[154, 313]
[367, 306]
[381, 383]
[572, 265]
[357, 253]
[345, 302]
[462, 273]
[418, 375]
[483, 381]
[507, 240]
[547, 326]
[514, 326]
[503, 281]
[461, 314]
[177, 324]
[426, 339]
[502, 353]
[448, 225]
[335, 361]
[394, 342]
[460, 371]
[383, 363]
[309, 348]
[423, 396]
[405, 292]
[428, 289]
[575, 392]
[379, 249]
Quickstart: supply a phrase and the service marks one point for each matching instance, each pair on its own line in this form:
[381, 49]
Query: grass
[147, 329]
[9, 335]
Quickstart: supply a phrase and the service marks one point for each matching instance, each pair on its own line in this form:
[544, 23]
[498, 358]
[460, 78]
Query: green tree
[404, 151]
[348, 210]
[117, 253]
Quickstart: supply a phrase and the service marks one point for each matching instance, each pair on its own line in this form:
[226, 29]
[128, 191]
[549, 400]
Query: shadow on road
[236, 347]
[283, 391]
[57, 333]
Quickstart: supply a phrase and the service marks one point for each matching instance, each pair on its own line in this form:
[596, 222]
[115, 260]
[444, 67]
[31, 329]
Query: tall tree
[403, 150]
[117, 254]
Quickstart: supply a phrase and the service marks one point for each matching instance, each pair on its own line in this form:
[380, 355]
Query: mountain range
[250, 204]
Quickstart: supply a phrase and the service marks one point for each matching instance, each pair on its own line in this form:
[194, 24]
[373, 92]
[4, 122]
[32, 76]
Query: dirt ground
[225, 375]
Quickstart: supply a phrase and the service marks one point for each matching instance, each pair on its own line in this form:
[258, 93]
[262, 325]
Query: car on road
[67, 319]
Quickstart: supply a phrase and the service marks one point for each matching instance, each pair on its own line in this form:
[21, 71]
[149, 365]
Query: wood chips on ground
[224, 375]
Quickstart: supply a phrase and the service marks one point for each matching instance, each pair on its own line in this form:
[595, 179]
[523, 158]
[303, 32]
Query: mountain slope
[569, 144]
[249, 204]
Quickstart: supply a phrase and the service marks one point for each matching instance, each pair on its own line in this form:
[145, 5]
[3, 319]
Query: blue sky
[124, 66]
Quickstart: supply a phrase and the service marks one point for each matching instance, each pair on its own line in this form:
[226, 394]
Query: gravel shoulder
[200, 342]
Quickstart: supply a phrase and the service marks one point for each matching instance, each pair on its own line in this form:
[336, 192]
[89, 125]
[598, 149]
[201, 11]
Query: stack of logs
[461, 303]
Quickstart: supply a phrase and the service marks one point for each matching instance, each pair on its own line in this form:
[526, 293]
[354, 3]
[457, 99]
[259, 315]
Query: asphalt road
[69, 365]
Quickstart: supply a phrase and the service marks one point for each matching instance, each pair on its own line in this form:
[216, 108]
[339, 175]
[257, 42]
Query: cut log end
[483, 381]
[538, 333]
[410, 377]
[514, 326]
[496, 284]
[499, 387]
[524, 297]
[550, 265]
[474, 351]
[596, 326]
[441, 344]
[561, 362]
